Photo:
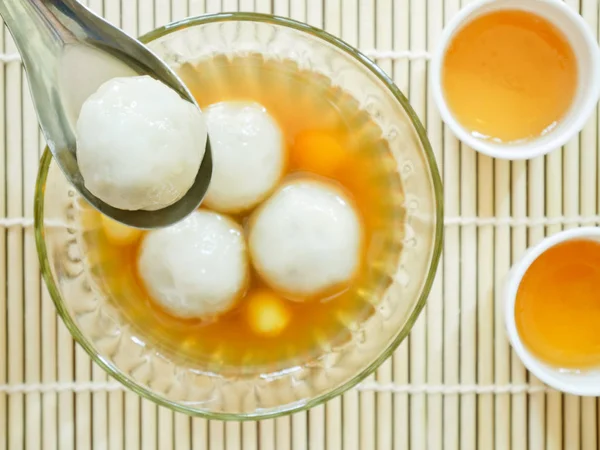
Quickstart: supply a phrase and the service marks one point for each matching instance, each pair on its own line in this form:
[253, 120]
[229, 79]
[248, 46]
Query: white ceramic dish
[578, 383]
[587, 52]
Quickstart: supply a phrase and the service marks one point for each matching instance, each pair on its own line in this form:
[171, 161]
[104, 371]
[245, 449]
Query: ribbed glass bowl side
[111, 341]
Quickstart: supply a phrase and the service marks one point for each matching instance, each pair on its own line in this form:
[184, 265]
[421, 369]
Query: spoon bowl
[68, 52]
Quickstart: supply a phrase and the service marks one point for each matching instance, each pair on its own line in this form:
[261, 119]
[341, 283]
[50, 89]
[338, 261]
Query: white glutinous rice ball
[197, 267]
[139, 144]
[247, 151]
[306, 238]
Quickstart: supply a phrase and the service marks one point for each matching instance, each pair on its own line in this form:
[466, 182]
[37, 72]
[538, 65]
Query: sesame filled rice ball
[248, 155]
[306, 239]
[139, 144]
[197, 267]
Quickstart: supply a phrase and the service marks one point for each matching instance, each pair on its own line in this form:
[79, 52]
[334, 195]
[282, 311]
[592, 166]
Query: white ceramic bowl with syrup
[585, 46]
[584, 382]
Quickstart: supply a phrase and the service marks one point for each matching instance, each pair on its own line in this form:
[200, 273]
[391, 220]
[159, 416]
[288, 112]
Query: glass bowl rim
[147, 393]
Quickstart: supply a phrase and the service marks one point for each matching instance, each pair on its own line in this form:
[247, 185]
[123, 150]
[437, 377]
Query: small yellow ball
[267, 313]
[119, 234]
[319, 152]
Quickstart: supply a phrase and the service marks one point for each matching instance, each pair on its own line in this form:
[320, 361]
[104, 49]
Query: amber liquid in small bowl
[509, 76]
[557, 309]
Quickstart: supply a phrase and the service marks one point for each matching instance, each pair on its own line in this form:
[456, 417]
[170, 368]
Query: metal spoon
[68, 52]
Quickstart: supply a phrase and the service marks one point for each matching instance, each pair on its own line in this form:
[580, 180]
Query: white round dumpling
[247, 152]
[305, 239]
[139, 144]
[197, 267]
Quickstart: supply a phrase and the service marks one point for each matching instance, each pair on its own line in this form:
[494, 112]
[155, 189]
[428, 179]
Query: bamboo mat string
[14, 248]
[501, 264]
[31, 280]
[374, 386]
[519, 173]
[451, 274]
[400, 371]
[417, 340]
[435, 304]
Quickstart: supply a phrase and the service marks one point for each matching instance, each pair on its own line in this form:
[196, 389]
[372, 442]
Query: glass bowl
[111, 341]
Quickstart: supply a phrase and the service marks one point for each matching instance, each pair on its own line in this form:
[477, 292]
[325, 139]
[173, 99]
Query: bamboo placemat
[453, 384]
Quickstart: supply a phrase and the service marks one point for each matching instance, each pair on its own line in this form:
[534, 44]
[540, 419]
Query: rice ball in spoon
[197, 267]
[247, 151]
[305, 239]
[139, 144]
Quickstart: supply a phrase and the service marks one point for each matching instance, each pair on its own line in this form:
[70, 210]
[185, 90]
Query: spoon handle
[38, 28]
[41, 30]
